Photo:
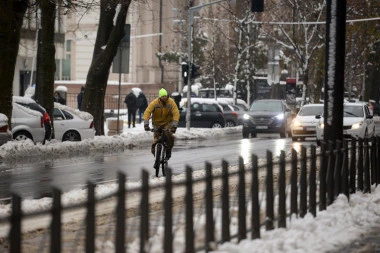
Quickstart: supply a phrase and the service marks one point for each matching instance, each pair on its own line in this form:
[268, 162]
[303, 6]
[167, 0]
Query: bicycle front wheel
[159, 150]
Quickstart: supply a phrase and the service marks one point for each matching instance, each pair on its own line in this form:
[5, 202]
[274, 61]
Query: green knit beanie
[162, 93]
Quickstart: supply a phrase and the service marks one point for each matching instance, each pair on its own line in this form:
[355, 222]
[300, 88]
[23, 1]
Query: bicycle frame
[160, 152]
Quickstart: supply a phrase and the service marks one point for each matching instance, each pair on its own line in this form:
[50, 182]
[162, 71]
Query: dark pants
[141, 113]
[131, 114]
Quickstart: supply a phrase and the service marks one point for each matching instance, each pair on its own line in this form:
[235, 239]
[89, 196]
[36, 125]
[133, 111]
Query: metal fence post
[225, 200]
[269, 193]
[373, 161]
[377, 160]
[330, 173]
[255, 218]
[345, 185]
[303, 183]
[144, 210]
[90, 218]
[210, 237]
[56, 223]
[322, 178]
[242, 207]
[367, 176]
[293, 184]
[120, 214]
[353, 167]
[312, 181]
[15, 218]
[281, 192]
[360, 165]
[168, 236]
[338, 168]
[189, 244]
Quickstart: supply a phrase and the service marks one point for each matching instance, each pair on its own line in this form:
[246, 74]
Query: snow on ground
[341, 223]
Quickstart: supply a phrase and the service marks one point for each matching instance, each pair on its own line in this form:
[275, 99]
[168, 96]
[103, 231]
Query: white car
[5, 134]
[304, 124]
[357, 122]
[71, 124]
[26, 123]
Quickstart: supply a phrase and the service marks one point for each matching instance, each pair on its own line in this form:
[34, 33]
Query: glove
[146, 127]
[173, 130]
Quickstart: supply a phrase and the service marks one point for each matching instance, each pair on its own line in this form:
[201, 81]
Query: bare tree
[302, 40]
[11, 17]
[107, 41]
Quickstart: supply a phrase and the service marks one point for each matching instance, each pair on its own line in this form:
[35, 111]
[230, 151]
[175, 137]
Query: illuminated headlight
[322, 125]
[246, 117]
[280, 116]
[297, 123]
[357, 125]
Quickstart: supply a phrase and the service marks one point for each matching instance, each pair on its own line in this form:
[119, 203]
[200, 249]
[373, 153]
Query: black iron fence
[187, 213]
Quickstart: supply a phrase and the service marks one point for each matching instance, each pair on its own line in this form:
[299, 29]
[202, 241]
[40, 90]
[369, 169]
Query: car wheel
[71, 136]
[253, 134]
[230, 124]
[245, 133]
[318, 143]
[22, 135]
[216, 125]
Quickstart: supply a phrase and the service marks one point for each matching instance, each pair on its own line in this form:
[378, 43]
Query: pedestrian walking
[142, 104]
[59, 99]
[131, 102]
[80, 97]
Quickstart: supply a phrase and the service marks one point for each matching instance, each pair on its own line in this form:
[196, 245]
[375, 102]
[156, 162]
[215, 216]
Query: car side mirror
[317, 116]
[370, 117]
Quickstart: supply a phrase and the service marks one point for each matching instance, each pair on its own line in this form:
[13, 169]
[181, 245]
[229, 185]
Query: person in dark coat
[131, 102]
[142, 104]
[59, 99]
[80, 97]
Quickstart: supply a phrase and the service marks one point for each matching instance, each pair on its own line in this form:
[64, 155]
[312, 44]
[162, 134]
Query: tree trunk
[11, 18]
[46, 57]
[107, 41]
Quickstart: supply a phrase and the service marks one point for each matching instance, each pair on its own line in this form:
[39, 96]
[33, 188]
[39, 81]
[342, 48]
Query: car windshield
[311, 111]
[272, 106]
[353, 111]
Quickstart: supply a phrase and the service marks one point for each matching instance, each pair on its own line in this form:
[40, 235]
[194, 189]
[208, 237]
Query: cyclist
[165, 115]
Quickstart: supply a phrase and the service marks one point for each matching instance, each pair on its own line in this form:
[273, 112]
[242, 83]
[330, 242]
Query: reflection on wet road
[36, 179]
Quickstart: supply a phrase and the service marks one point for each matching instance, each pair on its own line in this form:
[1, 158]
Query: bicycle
[160, 151]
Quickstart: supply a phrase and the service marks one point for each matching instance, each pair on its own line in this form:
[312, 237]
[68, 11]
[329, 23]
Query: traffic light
[195, 72]
[257, 5]
[185, 72]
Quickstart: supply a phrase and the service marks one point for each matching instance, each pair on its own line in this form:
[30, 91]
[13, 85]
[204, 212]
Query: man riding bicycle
[165, 115]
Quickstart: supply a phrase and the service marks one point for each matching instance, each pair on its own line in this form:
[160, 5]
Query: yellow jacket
[162, 114]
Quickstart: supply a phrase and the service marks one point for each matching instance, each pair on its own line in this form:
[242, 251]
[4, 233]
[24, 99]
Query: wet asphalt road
[36, 179]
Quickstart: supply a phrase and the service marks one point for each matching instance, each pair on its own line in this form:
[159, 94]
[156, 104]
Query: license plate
[310, 129]
[261, 127]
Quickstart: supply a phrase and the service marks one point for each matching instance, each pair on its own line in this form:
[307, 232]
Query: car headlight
[280, 116]
[297, 123]
[246, 117]
[357, 125]
[321, 125]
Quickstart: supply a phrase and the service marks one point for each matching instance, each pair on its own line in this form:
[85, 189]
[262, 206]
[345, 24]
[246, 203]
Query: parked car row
[211, 113]
[31, 121]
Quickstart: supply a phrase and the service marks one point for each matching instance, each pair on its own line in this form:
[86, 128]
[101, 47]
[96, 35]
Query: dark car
[267, 116]
[205, 113]
[37, 107]
[230, 114]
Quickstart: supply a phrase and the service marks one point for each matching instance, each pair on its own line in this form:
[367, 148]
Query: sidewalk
[367, 243]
